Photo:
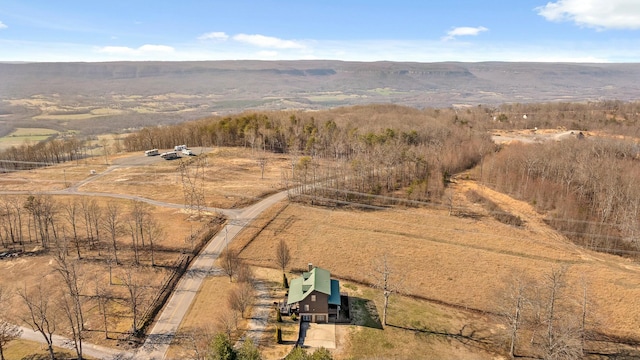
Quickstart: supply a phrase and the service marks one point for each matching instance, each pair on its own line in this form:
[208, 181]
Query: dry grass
[211, 304]
[455, 267]
[204, 316]
[29, 271]
[416, 329]
[269, 349]
[460, 262]
[23, 349]
[232, 178]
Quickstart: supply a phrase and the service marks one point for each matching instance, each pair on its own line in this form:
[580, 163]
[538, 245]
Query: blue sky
[350, 30]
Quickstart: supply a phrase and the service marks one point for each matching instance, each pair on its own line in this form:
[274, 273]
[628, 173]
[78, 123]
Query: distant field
[80, 114]
[329, 97]
[20, 135]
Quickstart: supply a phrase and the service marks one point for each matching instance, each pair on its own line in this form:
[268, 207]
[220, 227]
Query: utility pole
[106, 159]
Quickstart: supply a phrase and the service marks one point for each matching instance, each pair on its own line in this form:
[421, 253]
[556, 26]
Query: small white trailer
[169, 155]
[187, 152]
[152, 152]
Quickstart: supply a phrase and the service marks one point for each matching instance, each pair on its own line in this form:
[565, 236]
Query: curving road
[164, 330]
[168, 321]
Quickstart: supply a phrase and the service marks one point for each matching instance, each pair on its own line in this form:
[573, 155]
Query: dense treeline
[52, 151]
[588, 187]
[615, 117]
[419, 153]
[308, 131]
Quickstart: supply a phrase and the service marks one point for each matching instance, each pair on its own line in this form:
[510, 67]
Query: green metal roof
[317, 279]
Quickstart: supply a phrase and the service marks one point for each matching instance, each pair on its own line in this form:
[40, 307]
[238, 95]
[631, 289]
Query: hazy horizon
[582, 31]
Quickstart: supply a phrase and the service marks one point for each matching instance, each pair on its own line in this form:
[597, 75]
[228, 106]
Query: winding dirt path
[166, 326]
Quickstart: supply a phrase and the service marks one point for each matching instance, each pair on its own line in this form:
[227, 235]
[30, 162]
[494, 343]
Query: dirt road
[166, 326]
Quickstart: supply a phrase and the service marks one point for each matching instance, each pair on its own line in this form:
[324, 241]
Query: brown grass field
[23, 349]
[457, 263]
[27, 272]
[454, 267]
[232, 177]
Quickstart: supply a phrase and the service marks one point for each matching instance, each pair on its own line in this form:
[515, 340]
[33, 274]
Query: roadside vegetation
[428, 190]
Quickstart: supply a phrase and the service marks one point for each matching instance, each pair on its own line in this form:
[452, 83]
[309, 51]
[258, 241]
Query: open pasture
[463, 263]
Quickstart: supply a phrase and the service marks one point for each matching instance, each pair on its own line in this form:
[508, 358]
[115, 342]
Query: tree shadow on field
[364, 313]
[467, 335]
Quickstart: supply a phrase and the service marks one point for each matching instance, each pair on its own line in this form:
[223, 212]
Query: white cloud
[464, 31]
[155, 48]
[216, 35]
[599, 14]
[267, 54]
[267, 41]
[2, 25]
[142, 50]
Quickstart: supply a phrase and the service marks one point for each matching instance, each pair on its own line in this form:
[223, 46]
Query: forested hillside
[586, 186]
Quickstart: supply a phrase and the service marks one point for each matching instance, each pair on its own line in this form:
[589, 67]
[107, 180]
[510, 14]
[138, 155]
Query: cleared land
[454, 266]
[455, 262]
[22, 135]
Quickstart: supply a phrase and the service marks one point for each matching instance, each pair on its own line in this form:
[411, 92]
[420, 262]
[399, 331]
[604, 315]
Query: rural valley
[460, 223]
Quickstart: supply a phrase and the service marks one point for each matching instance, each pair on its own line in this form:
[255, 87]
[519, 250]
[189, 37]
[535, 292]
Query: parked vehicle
[180, 147]
[152, 152]
[169, 155]
[187, 152]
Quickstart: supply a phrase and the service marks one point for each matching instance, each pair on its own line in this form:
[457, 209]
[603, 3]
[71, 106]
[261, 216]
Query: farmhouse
[317, 295]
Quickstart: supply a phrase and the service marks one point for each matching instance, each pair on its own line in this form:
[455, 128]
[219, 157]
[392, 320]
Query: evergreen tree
[248, 351]
[221, 348]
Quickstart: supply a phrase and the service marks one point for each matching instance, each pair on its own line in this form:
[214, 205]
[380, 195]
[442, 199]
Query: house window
[313, 298]
[306, 307]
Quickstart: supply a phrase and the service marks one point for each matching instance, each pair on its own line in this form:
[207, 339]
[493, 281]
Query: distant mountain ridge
[186, 90]
[413, 84]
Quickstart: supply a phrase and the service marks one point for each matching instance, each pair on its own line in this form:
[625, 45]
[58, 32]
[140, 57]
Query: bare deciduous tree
[67, 304]
[137, 293]
[112, 224]
[382, 280]
[229, 261]
[154, 232]
[241, 297]
[512, 309]
[43, 210]
[71, 211]
[103, 296]
[283, 256]
[262, 162]
[92, 217]
[198, 341]
[40, 316]
[244, 273]
[227, 321]
[71, 300]
[8, 333]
